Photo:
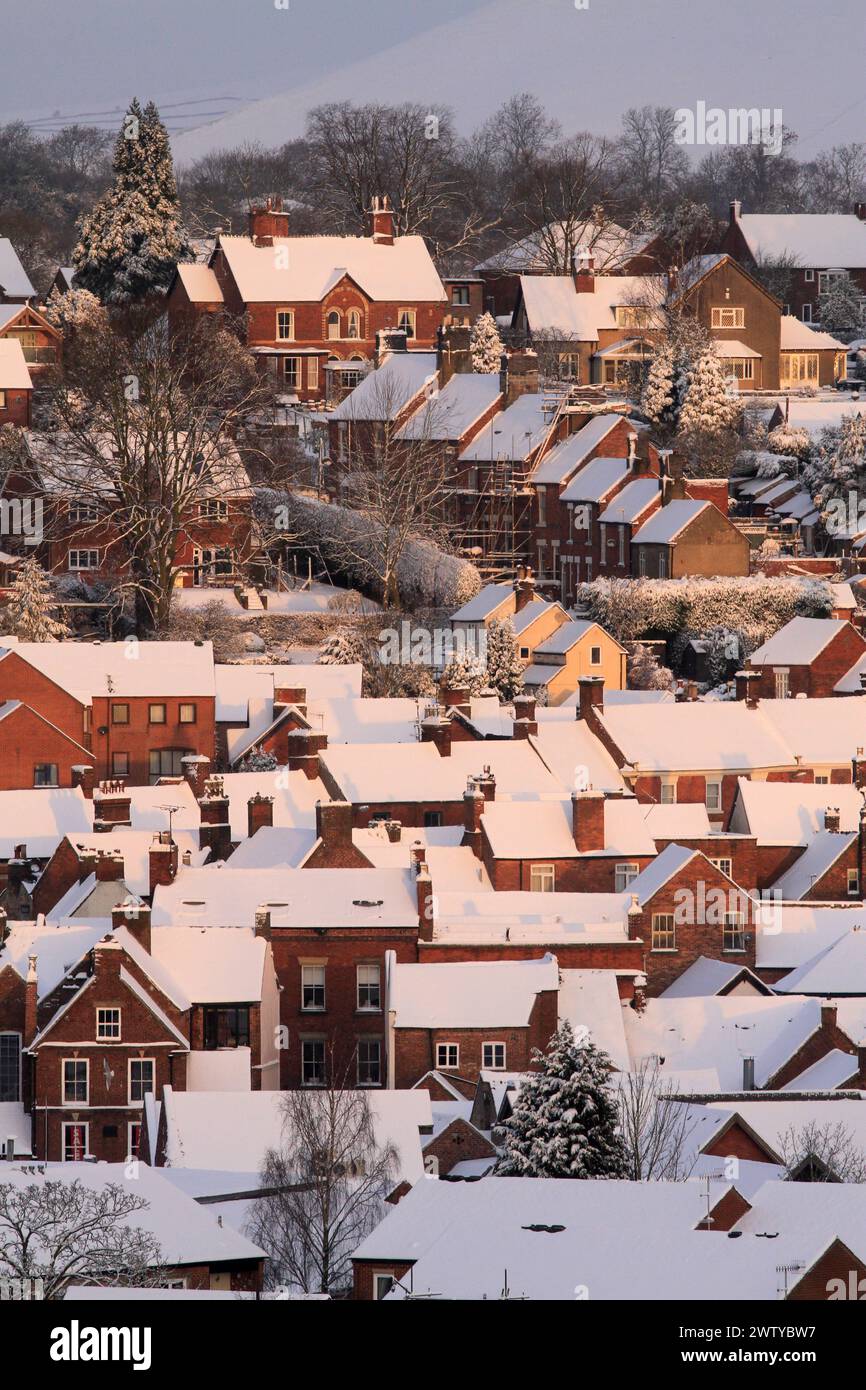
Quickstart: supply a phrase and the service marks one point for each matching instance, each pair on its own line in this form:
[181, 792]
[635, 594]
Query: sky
[233, 70]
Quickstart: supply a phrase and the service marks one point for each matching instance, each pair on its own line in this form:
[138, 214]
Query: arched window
[354, 324]
[333, 324]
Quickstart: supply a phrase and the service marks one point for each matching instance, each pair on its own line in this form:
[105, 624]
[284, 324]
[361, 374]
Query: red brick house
[808, 656]
[314, 305]
[38, 339]
[16, 386]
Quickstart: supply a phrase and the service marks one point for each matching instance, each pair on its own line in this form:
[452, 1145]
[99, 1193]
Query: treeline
[469, 195]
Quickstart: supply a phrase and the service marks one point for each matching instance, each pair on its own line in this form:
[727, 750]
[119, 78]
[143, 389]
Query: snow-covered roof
[705, 977]
[85, 669]
[798, 643]
[554, 306]
[513, 433]
[697, 735]
[14, 280]
[679, 820]
[839, 968]
[589, 999]
[669, 521]
[850, 683]
[485, 604]
[567, 744]
[832, 1071]
[782, 813]
[548, 832]
[470, 994]
[824, 240]
[14, 372]
[390, 389]
[312, 265]
[669, 862]
[200, 283]
[817, 415]
[133, 846]
[732, 347]
[595, 480]
[39, 818]
[610, 244]
[807, 930]
[634, 499]
[273, 846]
[565, 458]
[57, 950]
[210, 965]
[819, 856]
[823, 732]
[295, 796]
[219, 896]
[797, 336]
[379, 773]
[524, 916]
[203, 1131]
[451, 412]
[387, 719]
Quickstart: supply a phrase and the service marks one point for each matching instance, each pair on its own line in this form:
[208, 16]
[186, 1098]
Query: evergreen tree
[29, 612]
[504, 666]
[565, 1119]
[709, 406]
[343, 647]
[259, 761]
[659, 400]
[645, 672]
[467, 670]
[131, 241]
[485, 344]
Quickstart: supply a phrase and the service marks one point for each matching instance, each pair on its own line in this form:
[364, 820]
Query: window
[727, 317]
[292, 367]
[595, 656]
[569, 366]
[809, 276]
[783, 686]
[432, 819]
[853, 883]
[226, 1025]
[107, 1025]
[668, 793]
[827, 278]
[167, 762]
[313, 987]
[797, 368]
[641, 561]
[732, 932]
[542, 506]
[541, 878]
[406, 321]
[724, 866]
[140, 1078]
[369, 988]
[384, 1283]
[493, 1056]
[448, 1056]
[634, 316]
[663, 564]
[212, 509]
[713, 796]
[75, 1143]
[83, 560]
[133, 1139]
[45, 775]
[313, 374]
[354, 325]
[369, 1062]
[285, 323]
[75, 1082]
[2, 400]
[80, 511]
[186, 714]
[624, 874]
[621, 530]
[664, 932]
[333, 324]
[10, 1067]
[822, 779]
[156, 714]
[743, 368]
[313, 1062]
[120, 714]
[806, 313]
[460, 296]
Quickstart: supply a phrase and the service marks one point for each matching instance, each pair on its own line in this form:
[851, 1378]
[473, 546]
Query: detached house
[820, 248]
[40, 341]
[15, 286]
[312, 306]
[16, 387]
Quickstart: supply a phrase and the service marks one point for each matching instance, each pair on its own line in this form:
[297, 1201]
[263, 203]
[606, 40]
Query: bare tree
[563, 196]
[655, 1126]
[815, 1152]
[653, 164]
[145, 425]
[67, 1232]
[326, 1187]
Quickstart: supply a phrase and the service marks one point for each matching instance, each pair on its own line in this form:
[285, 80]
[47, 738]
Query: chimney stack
[744, 686]
[83, 777]
[587, 821]
[303, 747]
[860, 211]
[135, 916]
[260, 812]
[524, 588]
[748, 1073]
[382, 221]
[590, 696]
[215, 832]
[473, 810]
[424, 890]
[334, 824]
[518, 375]
[832, 819]
[268, 222]
[734, 211]
[196, 770]
[584, 271]
[437, 729]
[525, 722]
[162, 861]
[112, 804]
[30, 1002]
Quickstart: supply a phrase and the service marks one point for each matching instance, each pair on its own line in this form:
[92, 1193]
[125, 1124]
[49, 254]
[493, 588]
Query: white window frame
[74, 1124]
[733, 921]
[714, 803]
[313, 1042]
[809, 276]
[720, 865]
[447, 1047]
[377, 1042]
[368, 1008]
[285, 337]
[624, 874]
[782, 683]
[131, 1125]
[78, 1062]
[593, 659]
[75, 566]
[138, 1061]
[101, 1023]
[546, 872]
[727, 316]
[668, 932]
[380, 1278]
[668, 792]
[411, 321]
[853, 883]
[312, 373]
[492, 1047]
[314, 1008]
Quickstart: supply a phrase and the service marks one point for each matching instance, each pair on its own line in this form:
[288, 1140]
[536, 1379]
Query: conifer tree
[504, 666]
[131, 241]
[29, 614]
[465, 670]
[485, 344]
[565, 1120]
[709, 405]
[343, 647]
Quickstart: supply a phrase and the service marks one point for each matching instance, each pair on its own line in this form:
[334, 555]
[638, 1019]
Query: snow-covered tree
[836, 476]
[485, 344]
[259, 761]
[645, 671]
[131, 241]
[709, 405]
[30, 612]
[565, 1121]
[343, 647]
[76, 311]
[659, 400]
[465, 669]
[790, 439]
[840, 309]
[504, 666]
